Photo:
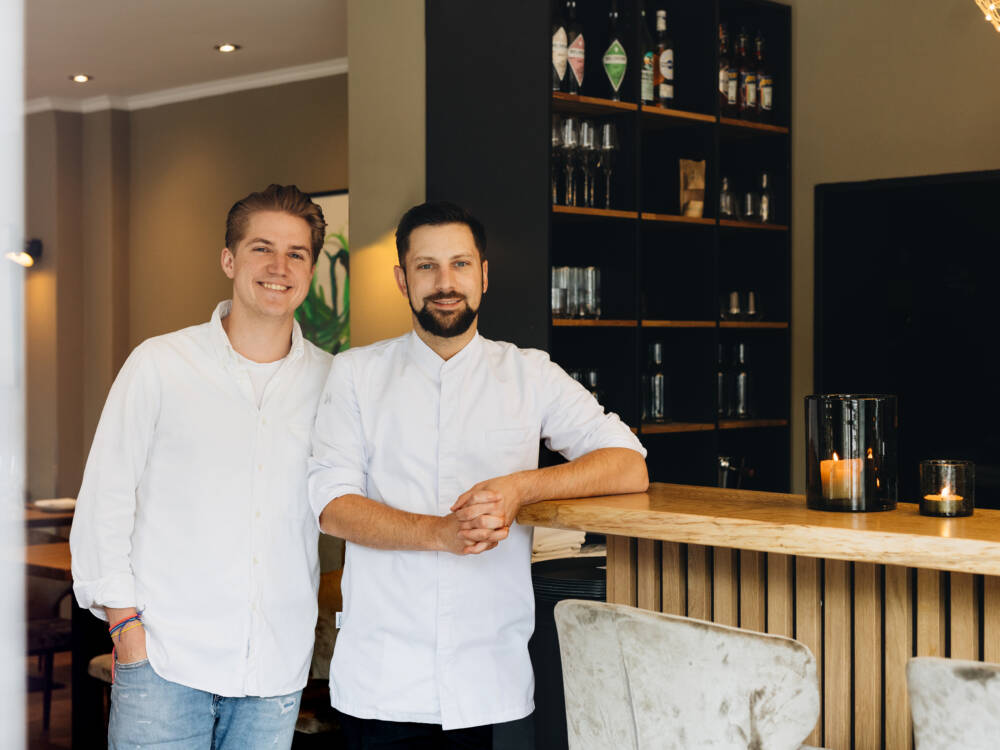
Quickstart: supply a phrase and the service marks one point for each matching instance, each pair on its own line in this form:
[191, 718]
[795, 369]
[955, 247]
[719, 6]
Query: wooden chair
[45, 637]
[954, 703]
[640, 679]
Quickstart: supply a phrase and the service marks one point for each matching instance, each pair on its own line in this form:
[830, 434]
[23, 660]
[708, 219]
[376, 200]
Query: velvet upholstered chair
[954, 703]
[640, 679]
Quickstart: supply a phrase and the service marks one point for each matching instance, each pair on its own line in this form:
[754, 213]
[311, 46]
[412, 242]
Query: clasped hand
[485, 512]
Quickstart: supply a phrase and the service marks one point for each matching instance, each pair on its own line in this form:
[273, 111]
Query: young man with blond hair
[193, 536]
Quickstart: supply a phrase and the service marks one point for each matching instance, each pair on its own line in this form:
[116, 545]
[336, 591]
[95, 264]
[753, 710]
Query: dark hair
[286, 198]
[434, 213]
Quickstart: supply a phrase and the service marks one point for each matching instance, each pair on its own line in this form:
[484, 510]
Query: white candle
[841, 478]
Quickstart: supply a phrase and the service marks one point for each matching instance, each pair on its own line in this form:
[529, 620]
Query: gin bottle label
[559, 52]
[667, 71]
[766, 93]
[615, 64]
[576, 59]
[647, 77]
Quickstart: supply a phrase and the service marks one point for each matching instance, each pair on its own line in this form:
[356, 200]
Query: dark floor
[58, 735]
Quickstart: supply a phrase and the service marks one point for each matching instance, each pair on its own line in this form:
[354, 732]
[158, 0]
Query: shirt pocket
[293, 451]
[510, 449]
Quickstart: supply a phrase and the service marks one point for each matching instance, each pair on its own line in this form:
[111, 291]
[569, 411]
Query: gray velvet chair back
[598, 706]
[640, 679]
[954, 703]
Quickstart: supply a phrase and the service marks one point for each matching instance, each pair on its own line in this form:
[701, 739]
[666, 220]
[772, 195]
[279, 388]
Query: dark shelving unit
[663, 274]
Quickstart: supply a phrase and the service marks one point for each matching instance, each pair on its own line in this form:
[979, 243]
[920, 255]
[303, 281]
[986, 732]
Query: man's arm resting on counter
[364, 521]
[606, 471]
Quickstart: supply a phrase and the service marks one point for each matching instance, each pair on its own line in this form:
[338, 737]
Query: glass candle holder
[947, 488]
[851, 452]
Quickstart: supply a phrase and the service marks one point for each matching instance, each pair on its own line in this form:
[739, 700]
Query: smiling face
[443, 279]
[271, 267]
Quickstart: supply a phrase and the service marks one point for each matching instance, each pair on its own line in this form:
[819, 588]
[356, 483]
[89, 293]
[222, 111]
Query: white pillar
[12, 660]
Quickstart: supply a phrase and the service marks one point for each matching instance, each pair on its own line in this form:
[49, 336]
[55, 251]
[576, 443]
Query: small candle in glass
[947, 488]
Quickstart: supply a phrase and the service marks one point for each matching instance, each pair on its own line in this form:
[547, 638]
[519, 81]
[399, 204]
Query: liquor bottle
[765, 83]
[664, 71]
[648, 52]
[765, 210]
[575, 50]
[615, 60]
[722, 389]
[724, 103]
[731, 108]
[747, 94]
[727, 204]
[741, 384]
[559, 50]
[654, 394]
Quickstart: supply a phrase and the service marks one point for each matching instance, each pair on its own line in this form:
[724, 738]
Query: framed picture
[325, 313]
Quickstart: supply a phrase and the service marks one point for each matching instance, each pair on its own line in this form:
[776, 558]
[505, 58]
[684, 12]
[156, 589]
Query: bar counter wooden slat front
[864, 591]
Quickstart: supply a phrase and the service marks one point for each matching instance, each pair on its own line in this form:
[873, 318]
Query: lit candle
[841, 478]
[946, 503]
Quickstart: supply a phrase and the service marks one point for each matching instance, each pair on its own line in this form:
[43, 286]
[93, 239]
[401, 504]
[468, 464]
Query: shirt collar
[224, 346]
[431, 363]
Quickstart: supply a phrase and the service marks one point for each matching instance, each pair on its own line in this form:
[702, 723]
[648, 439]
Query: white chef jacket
[430, 636]
[194, 509]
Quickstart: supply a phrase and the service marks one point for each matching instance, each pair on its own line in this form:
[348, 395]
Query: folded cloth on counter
[587, 550]
[557, 540]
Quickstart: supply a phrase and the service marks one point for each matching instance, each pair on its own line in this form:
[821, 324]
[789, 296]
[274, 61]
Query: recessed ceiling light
[227, 47]
[80, 78]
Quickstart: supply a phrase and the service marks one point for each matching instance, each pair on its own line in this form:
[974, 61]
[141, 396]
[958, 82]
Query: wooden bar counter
[864, 591]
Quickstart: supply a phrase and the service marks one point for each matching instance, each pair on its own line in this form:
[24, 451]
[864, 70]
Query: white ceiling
[133, 47]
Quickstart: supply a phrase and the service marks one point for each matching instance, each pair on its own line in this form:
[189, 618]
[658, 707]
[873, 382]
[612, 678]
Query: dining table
[34, 518]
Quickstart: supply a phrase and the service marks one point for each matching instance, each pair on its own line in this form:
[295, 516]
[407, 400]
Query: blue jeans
[150, 712]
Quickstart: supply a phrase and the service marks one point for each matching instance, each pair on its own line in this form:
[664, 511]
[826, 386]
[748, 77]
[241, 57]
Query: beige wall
[387, 154]
[53, 300]
[105, 248]
[191, 161]
[891, 88]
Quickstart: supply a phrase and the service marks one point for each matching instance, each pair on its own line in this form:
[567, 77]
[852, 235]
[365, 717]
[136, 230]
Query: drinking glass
[609, 145]
[588, 160]
[570, 144]
[590, 292]
[556, 156]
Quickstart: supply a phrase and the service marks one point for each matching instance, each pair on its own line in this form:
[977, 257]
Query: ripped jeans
[150, 712]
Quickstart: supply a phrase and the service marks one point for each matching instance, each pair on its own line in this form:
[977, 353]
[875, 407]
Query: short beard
[456, 326]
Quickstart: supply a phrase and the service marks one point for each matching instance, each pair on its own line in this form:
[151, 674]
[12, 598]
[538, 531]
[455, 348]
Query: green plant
[320, 322]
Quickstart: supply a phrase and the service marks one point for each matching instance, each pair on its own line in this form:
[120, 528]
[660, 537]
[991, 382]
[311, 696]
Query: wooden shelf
[666, 114]
[750, 126]
[739, 424]
[656, 428]
[593, 323]
[607, 213]
[590, 105]
[677, 219]
[752, 324]
[752, 225]
[678, 324]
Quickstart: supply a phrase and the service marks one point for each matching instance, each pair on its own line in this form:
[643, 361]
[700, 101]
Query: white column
[12, 660]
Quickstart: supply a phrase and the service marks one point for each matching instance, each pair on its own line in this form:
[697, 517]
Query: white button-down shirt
[431, 636]
[194, 509]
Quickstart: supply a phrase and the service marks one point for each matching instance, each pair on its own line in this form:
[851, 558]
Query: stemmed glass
[570, 143]
[606, 161]
[588, 154]
[556, 154]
